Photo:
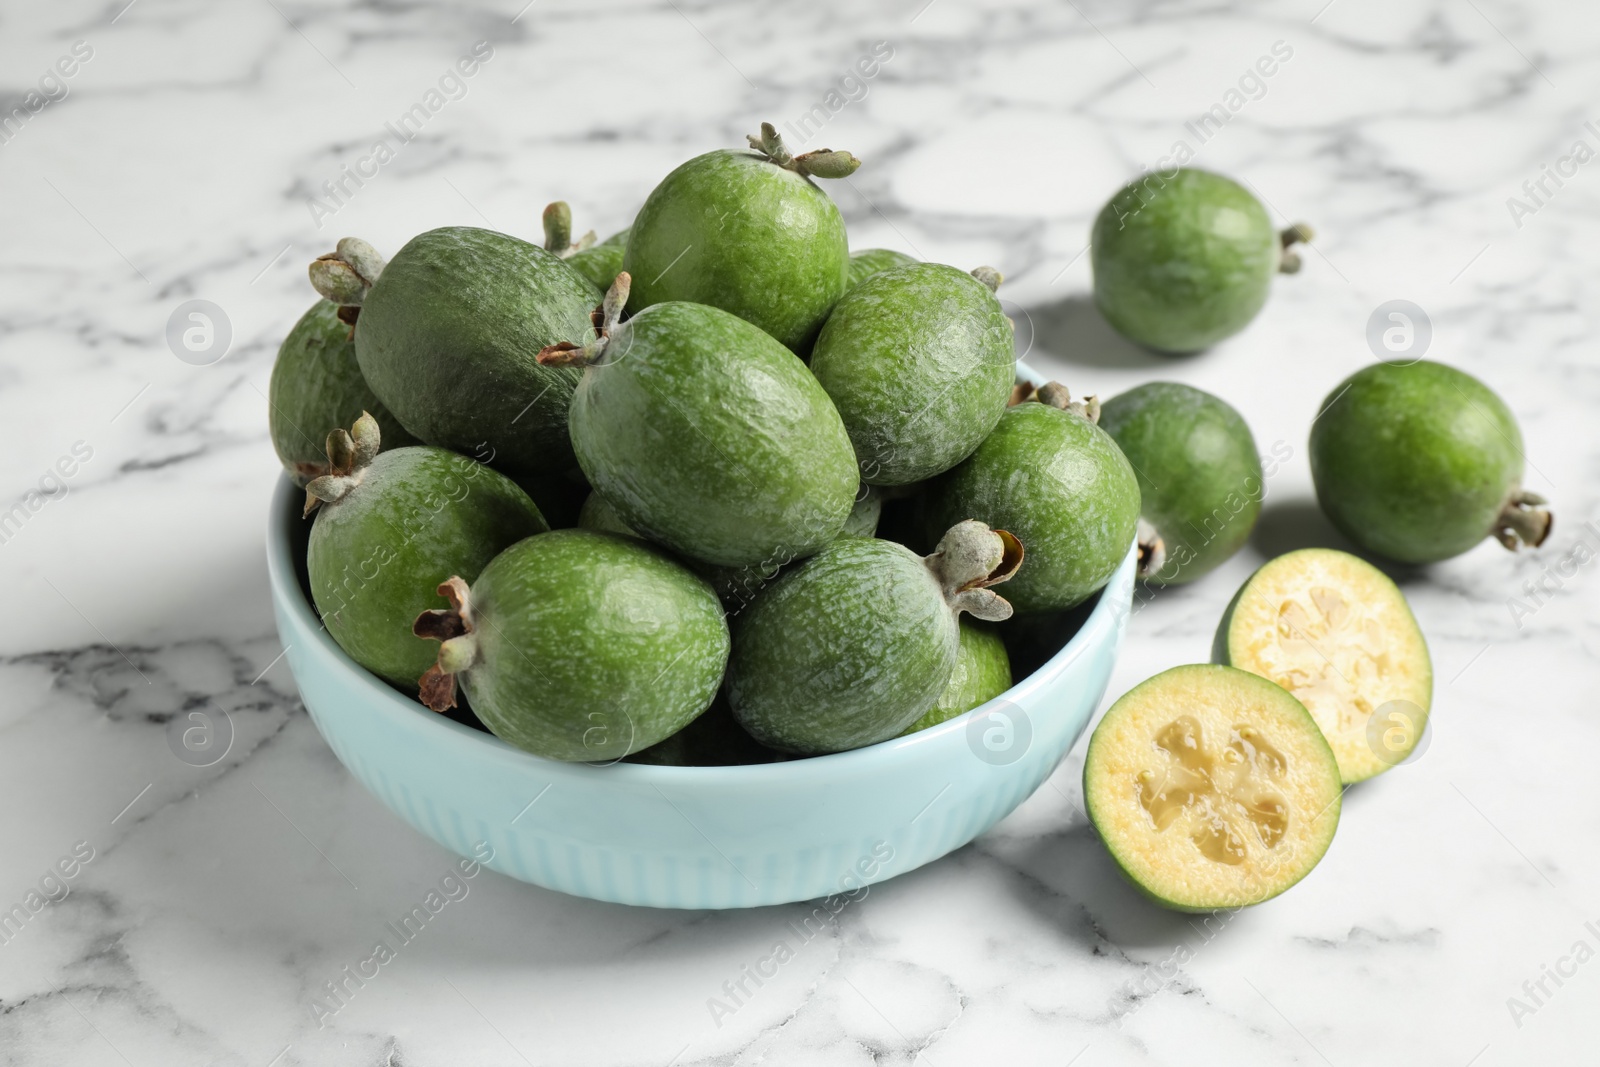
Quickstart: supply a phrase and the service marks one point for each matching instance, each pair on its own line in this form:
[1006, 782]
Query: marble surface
[185, 157]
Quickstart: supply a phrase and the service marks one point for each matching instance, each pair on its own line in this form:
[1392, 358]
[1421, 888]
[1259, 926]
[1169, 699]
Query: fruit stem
[1057, 395]
[350, 453]
[458, 645]
[345, 274]
[567, 354]
[1299, 233]
[988, 276]
[1524, 522]
[970, 558]
[558, 231]
[1152, 551]
[822, 163]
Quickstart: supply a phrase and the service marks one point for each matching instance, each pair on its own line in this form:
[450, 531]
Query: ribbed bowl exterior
[694, 837]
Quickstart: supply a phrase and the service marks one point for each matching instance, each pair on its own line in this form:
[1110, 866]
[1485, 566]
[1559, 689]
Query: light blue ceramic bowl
[693, 837]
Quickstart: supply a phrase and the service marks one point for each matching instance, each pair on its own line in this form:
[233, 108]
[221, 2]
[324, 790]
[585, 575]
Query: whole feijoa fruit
[389, 528]
[1060, 483]
[851, 646]
[1335, 632]
[982, 672]
[449, 335]
[707, 436]
[1211, 788]
[1182, 262]
[1200, 481]
[747, 232]
[599, 261]
[715, 739]
[316, 387]
[920, 364]
[869, 261]
[576, 645]
[1421, 462]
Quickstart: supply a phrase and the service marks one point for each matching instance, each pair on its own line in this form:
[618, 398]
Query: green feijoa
[919, 362]
[747, 232]
[851, 646]
[864, 514]
[982, 672]
[317, 386]
[598, 515]
[715, 739]
[577, 645]
[1060, 483]
[869, 261]
[1182, 262]
[449, 335]
[707, 436]
[1200, 482]
[389, 528]
[600, 262]
[1421, 462]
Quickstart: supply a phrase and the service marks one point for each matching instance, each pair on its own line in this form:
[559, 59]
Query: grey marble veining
[185, 156]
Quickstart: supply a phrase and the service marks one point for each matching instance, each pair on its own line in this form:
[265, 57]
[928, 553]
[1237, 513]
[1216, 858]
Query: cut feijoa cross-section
[1336, 632]
[1211, 787]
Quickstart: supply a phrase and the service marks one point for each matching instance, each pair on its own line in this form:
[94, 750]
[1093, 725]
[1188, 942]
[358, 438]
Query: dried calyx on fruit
[607, 317]
[458, 645]
[345, 274]
[350, 453]
[821, 163]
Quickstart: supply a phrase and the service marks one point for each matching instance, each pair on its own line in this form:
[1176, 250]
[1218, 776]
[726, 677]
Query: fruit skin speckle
[1181, 263]
[1419, 463]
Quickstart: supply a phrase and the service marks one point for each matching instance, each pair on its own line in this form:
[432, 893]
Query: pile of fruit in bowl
[716, 491]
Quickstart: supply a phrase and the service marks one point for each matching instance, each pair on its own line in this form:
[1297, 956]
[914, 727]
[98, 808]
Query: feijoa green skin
[869, 261]
[1200, 482]
[864, 514]
[413, 518]
[597, 515]
[982, 672]
[449, 335]
[584, 646]
[1420, 462]
[709, 437]
[715, 739]
[601, 263]
[1181, 263]
[1062, 486]
[851, 646]
[316, 387]
[739, 232]
[919, 362]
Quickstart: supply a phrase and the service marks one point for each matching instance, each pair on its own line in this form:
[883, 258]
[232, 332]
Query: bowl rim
[286, 505]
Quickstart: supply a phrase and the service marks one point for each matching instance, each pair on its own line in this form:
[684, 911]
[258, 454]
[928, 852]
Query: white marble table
[179, 160]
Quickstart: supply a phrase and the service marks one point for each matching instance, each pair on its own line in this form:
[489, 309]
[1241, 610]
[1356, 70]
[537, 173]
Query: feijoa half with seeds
[579, 646]
[1336, 633]
[1200, 482]
[1059, 483]
[919, 362]
[316, 387]
[1211, 788]
[1420, 462]
[851, 646]
[389, 528]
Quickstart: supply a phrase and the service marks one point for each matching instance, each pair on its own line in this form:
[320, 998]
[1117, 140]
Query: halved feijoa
[1420, 462]
[1211, 788]
[982, 672]
[1333, 630]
